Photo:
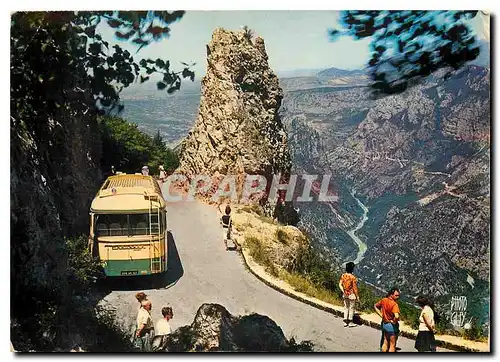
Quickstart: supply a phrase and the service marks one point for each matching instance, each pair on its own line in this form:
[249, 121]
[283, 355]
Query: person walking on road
[145, 330]
[388, 309]
[348, 284]
[163, 175]
[227, 225]
[425, 341]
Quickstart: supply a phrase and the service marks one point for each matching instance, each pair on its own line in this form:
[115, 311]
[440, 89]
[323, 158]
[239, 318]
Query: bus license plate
[132, 272]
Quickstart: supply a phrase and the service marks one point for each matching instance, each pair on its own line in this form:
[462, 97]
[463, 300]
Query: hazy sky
[294, 39]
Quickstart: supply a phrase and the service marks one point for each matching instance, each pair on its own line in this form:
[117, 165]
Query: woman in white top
[425, 341]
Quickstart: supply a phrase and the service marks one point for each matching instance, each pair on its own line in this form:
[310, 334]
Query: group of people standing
[161, 170]
[145, 329]
[388, 309]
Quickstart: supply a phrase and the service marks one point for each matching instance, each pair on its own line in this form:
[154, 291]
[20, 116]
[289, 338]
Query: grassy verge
[260, 255]
[302, 284]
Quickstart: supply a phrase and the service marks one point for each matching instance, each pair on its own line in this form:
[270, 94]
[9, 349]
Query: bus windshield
[123, 224]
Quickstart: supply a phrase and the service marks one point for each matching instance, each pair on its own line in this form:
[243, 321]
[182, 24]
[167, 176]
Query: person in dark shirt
[227, 224]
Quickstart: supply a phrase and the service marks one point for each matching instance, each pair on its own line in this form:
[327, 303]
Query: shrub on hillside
[69, 316]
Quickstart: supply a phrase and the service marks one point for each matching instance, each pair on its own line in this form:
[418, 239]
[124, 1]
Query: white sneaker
[352, 325]
[346, 324]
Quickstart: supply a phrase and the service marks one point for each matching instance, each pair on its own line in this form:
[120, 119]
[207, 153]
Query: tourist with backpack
[348, 284]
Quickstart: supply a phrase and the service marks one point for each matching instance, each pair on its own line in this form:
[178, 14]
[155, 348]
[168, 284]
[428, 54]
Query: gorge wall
[420, 162]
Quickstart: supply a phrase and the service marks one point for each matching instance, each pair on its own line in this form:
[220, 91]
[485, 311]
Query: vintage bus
[128, 224]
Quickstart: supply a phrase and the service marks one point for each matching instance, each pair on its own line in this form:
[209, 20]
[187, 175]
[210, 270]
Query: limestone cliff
[238, 130]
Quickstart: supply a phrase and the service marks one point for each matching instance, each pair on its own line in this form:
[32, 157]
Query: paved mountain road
[201, 271]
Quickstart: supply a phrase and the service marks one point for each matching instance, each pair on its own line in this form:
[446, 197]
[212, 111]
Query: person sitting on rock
[162, 177]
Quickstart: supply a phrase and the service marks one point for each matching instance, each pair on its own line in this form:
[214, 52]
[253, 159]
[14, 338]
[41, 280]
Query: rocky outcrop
[215, 329]
[238, 130]
[272, 245]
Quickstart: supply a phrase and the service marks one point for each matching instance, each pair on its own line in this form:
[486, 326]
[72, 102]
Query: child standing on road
[163, 328]
[227, 224]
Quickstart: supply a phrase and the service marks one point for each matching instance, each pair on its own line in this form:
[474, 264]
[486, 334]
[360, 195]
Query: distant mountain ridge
[292, 73]
[336, 72]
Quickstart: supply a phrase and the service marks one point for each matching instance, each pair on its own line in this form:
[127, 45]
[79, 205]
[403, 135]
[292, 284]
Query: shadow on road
[164, 280]
[175, 270]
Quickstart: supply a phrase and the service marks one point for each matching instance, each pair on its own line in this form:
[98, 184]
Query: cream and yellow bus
[127, 226]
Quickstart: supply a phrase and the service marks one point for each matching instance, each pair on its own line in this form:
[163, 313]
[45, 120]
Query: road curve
[203, 272]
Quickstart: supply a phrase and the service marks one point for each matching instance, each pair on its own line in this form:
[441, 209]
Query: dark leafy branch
[140, 28]
[408, 45]
[110, 67]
